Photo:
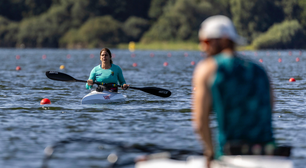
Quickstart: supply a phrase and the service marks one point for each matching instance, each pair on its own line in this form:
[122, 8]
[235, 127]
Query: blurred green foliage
[156, 8]
[16, 10]
[180, 21]
[251, 18]
[96, 32]
[285, 35]
[135, 27]
[97, 23]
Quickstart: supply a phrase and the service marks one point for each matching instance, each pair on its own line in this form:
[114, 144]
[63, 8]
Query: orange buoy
[91, 56]
[192, 63]
[151, 54]
[169, 54]
[18, 68]
[68, 56]
[260, 60]
[17, 57]
[62, 67]
[279, 60]
[166, 64]
[44, 56]
[45, 101]
[134, 64]
[297, 59]
[291, 80]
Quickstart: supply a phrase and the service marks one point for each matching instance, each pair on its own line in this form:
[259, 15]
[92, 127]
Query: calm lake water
[27, 128]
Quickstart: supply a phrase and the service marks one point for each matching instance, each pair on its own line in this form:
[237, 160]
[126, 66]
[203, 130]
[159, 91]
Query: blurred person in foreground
[107, 74]
[236, 89]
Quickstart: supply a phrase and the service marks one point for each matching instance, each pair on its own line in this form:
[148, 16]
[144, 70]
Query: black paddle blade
[155, 91]
[59, 76]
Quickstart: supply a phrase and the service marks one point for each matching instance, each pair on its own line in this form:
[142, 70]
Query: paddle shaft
[59, 76]
[152, 90]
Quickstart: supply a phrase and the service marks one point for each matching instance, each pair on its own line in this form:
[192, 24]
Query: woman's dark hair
[109, 53]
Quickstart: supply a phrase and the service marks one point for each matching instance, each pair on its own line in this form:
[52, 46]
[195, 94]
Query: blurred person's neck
[228, 51]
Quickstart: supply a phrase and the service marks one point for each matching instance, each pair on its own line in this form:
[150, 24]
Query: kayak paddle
[154, 91]
[63, 77]
[59, 76]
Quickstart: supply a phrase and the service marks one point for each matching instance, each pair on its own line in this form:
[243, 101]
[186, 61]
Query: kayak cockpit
[95, 97]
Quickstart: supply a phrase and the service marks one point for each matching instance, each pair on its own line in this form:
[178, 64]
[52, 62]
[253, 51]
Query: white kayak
[95, 97]
[239, 161]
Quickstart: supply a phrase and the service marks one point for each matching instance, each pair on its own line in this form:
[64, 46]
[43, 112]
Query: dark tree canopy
[84, 23]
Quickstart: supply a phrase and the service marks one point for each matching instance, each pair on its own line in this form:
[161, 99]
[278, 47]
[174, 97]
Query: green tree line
[96, 23]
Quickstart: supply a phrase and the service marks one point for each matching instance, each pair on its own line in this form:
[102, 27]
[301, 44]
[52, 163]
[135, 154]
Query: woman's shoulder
[97, 67]
[115, 66]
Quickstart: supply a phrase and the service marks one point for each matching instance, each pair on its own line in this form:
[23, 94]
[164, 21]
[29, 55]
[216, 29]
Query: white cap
[220, 26]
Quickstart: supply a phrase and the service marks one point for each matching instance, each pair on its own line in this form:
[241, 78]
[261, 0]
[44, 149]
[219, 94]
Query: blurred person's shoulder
[205, 68]
[250, 63]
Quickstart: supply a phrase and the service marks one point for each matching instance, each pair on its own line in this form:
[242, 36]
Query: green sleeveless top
[112, 75]
[241, 100]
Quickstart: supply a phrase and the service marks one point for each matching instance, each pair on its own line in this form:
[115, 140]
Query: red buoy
[192, 63]
[134, 64]
[260, 60]
[44, 56]
[279, 60]
[166, 64]
[45, 101]
[18, 68]
[291, 80]
[297, 59]
[17, 57]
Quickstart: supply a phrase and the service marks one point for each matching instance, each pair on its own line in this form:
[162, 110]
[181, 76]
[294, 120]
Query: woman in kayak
[108, 74]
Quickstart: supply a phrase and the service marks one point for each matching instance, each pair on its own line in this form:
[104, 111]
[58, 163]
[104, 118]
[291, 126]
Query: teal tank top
[112, 75]
[241, 101]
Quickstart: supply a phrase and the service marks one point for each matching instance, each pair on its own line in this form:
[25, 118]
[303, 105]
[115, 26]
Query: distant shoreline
[173, 46]
[190, 46]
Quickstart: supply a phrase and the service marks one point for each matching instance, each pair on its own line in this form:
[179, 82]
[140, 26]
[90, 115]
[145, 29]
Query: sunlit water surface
[27, 127]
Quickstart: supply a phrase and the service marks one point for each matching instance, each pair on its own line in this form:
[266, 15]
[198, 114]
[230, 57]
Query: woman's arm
[121, 78]
[91, 79]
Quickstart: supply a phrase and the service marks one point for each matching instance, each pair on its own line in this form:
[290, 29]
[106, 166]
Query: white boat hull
[224, 162]
[95, 97]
